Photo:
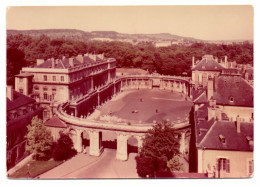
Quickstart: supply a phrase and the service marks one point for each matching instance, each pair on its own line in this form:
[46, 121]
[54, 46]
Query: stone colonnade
[174, 85]
[95, 146]
[137, 83]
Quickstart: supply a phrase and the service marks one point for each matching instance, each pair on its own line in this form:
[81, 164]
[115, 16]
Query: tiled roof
[208, 64]
[64, 64]
[199, 96]
[55, 122]
[18, 101]
[233, 140]
[228, 88]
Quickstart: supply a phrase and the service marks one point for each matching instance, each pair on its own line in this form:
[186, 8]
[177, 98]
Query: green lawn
[36, 168]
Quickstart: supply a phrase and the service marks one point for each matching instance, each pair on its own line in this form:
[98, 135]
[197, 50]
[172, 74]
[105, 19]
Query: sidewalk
[19, 165]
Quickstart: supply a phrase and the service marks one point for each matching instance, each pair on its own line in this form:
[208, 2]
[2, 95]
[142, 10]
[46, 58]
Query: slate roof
[234, 140]
[64, 64]
[55, 122]
[208, 64]
[227, 86]
[18, 101]
[199, 96]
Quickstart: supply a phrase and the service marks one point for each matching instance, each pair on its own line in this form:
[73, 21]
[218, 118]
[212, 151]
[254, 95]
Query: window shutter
[228, 166]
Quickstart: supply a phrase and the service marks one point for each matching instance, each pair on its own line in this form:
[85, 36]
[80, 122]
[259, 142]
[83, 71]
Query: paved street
[86, 166]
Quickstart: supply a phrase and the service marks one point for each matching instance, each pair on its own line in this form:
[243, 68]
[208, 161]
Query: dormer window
[231, 99]
[249, 140]
[222, 139]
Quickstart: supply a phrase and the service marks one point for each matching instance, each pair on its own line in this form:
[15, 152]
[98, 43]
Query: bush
[63, 148]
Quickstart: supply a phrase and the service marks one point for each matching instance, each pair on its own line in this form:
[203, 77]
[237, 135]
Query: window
[45, 96]
[62, 78]
[21, 90]
[223, 164]
[45, 77]
[231, 99]
[54, 78]
[46, 114]
[20, 79]
[36, 88]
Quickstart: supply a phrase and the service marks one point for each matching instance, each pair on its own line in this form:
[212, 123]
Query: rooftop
[55, 122]
[234, 91]
[233, 140]
[208, 63]
[18, 101]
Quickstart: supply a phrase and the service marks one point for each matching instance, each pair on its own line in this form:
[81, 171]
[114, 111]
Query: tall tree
[159, 146]
[15, 62]
[39, 140]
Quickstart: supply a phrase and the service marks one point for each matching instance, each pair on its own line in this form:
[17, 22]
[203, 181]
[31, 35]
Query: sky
[223, 22]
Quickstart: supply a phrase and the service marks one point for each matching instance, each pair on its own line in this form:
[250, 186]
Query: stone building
[222, 142]
[54, 81]
[20, 111]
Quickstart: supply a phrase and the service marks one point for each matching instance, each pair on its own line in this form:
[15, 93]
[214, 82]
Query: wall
[243, 112]
[238, 161]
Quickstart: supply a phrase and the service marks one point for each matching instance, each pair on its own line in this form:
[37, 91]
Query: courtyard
[145, 106]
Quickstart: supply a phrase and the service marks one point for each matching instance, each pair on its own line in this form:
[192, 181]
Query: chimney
[71, 62]
[210, 88]
[216, 59]
[10, 93]
[92, 56]
[226, 62]
[39, 61]
[80, 58]
[63, 58]
[193, 61]
[238, 120]
[246, 76]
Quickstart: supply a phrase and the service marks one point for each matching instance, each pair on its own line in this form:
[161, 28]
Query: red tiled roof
[55, 122]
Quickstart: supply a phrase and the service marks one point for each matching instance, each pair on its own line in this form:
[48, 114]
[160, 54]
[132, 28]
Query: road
[86, 166]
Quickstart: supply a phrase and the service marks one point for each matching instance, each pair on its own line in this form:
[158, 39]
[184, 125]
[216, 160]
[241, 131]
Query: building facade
[223, 127]
[20, 111]
[54, 81]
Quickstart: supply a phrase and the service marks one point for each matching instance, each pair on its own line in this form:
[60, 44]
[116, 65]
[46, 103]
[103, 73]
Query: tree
[174, 164]
[64, 148]
[15, 62]
[159, 146]
[39, 140]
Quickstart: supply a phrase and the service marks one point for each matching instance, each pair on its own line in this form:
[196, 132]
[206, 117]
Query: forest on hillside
[23, 50]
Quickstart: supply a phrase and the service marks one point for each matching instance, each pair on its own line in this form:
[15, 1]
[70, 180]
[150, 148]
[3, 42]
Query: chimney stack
[39, 61]
[80, 58]
[71, 62]
[210, 88]
[193, 61]
[63, 58]
[238, 121]
[10, 93]
[246, 76]
[226, 62]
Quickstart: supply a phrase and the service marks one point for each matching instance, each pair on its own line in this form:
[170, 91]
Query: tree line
[23, 50]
